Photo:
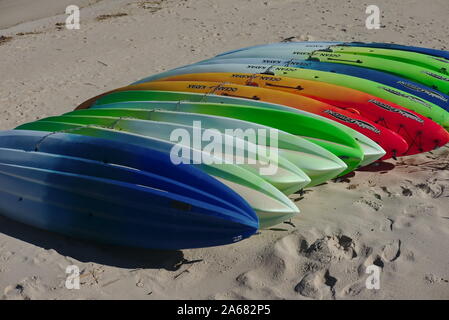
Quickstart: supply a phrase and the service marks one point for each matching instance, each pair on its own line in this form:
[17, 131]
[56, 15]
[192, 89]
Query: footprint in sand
[406, 192]
[373, 259]
[318, 285]
[386, 191]
[354, 289]
[374, 204]
[431, 188]
[324, 250]
[409, 255]
[253, 286]
[27, 289]
[6, 255]
[391, 251]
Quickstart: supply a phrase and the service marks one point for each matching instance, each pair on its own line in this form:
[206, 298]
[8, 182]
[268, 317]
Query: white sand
[395, 218]
[14, 12]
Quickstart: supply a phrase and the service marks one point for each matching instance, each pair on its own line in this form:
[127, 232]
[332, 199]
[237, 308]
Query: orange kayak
[421, 133]
[391, 142]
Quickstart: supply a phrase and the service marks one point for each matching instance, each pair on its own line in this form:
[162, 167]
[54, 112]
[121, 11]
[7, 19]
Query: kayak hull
[318, 163]
[108, 192]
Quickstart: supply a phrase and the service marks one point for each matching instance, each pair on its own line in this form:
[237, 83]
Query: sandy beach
[394, 215]
[14, 12]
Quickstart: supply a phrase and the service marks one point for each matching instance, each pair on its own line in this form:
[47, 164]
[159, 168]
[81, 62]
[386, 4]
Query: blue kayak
[323, 45]
[432, 52]
[116, 193]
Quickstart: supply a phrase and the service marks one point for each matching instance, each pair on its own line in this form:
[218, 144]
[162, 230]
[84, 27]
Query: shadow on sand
[122, 257]
[378, 167]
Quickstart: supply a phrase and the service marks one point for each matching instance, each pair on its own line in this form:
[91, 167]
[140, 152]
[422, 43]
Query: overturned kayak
[433, 52]
[420, 133]
[417, 89]
[270, 166]
[426, 66]
[318, 163]
[413, 58]
[426, 57]
[116, 193]
[322, 133]
[429, 76]
[271, 205]
[207, 154]
[397, 96]
[392, 143]
[371, 151]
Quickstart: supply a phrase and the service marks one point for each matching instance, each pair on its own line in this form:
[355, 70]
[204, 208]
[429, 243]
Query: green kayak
[322, 133]
[318, 163]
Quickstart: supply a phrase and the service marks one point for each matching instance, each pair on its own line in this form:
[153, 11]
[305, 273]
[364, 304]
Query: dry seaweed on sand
[4, 39]
[28, 33]
[109, 16]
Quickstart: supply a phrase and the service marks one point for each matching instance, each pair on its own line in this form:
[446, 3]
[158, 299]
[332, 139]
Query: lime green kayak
[270, 204]
[437, 64]
[429, 77]
[318, 163]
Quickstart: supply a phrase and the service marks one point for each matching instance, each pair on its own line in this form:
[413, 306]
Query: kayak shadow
[84, 251]
[380, 166]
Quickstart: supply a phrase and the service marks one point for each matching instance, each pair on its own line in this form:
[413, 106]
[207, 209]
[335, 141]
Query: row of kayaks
[208, 153]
